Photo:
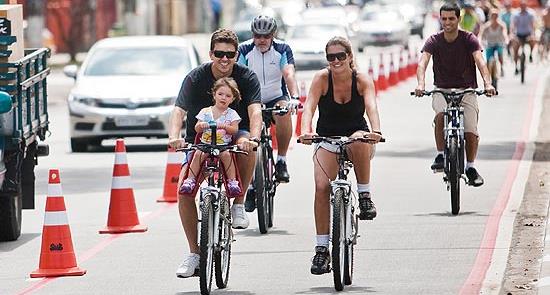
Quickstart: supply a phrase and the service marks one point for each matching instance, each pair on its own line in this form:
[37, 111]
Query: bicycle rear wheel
[454, 175]
[338, 239]
[222, 257]
[262, 204]
[206, 261]
[522, 67]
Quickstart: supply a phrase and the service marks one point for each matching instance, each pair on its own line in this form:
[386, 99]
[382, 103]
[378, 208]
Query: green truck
[23, 125]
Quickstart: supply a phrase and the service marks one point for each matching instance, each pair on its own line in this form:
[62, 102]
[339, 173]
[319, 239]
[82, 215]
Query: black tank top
[337, 119]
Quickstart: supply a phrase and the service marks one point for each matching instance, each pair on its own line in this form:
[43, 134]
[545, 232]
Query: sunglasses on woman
[221, 54]
[333, 56]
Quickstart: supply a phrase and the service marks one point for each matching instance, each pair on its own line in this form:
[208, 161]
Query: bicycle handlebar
[342, 140]
[209, 148]
[453, 92]
[280, 111]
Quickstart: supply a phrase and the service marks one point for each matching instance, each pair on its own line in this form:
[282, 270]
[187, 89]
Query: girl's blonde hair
[338, 40]
[229, 82]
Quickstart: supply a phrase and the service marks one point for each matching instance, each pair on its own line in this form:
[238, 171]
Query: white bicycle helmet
[263, 25]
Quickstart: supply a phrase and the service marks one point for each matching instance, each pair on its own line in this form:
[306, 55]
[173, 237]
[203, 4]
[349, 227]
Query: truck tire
[11, 199]
[28, 177]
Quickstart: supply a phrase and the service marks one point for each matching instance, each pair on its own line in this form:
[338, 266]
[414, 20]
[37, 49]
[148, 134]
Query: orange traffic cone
[57, 256]
[402, 73]
[382, 80]
[171, 175]
[298, 129]
[392, 79]
[123, 216]
[371, 74]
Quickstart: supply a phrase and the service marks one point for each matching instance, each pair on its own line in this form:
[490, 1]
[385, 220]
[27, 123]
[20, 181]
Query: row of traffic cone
[57, 257]
[396, 74]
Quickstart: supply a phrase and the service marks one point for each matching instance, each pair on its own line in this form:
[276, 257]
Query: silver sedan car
[127, 87]
[381, 26]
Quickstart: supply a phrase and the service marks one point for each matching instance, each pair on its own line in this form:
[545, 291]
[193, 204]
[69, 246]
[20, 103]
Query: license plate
[131, 121]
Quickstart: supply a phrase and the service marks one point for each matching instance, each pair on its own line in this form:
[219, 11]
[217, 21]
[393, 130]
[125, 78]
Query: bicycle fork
[350, 216]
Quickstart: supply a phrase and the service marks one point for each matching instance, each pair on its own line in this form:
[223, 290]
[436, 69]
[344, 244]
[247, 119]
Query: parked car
[414, 12]
[127, 87]
[308, 39]
[378, 25]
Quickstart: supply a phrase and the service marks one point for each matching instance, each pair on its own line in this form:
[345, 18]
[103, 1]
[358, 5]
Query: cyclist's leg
[325, 168]
[188, 211]
[532, 42]
[360, 154]
[439, 105]
[471, 116]
[230, 171]
[515, 49]
[500, 52]
[245, 163]
[283, 124]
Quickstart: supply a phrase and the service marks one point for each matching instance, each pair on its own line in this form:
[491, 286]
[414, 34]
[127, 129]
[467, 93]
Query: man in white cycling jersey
[272, 60]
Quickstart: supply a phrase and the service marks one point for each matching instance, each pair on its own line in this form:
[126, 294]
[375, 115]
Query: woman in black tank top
[343, 96]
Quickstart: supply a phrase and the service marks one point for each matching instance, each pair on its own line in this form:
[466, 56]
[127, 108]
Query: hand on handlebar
[305, 138]
[419, 90]
[374, 137]
[294, 104]
[248, 145]
[176, 143]
[490, 90]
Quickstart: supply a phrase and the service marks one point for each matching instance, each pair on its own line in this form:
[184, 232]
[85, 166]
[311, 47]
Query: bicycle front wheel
[262, 202]
[206, 245]
[522, 67]
[222, 257]
[454, 175]
[348, 263]
[338, 239]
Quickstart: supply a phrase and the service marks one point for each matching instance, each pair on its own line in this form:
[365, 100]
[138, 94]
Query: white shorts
[334, 148]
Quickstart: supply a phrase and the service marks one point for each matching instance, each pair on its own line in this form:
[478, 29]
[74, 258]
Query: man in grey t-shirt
[456, 54]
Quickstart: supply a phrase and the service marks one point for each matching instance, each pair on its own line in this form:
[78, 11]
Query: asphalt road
[413, 246]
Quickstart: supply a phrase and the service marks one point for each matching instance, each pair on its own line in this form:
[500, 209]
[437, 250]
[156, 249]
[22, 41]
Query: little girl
[227, 120]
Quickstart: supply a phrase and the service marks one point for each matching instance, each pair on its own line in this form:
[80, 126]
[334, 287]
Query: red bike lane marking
[475, 279]
[90, 253]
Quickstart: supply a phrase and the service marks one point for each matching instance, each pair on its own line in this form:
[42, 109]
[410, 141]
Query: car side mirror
[70, 71]
[5, 102]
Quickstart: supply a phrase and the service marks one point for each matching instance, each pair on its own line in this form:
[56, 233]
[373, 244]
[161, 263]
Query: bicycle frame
[454, 127]
[342, 182]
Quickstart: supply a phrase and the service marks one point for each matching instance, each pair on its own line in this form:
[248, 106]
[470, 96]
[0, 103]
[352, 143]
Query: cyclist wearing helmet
[272, 60]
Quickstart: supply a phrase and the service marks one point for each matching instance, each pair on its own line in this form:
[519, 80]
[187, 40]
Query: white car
[308, 41]
[381, 26]
[127, 87]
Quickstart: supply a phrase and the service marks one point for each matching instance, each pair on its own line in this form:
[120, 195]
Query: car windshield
[387, 16]
[316, 31]
[137, 61]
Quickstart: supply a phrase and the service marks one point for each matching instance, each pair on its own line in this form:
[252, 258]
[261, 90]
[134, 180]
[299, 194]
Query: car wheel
[79, 145]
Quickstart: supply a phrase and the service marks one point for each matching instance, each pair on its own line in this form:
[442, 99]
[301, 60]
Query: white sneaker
[240, 219]
[188, 266]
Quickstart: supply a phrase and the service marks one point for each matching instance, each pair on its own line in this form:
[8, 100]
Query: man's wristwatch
[295, 97]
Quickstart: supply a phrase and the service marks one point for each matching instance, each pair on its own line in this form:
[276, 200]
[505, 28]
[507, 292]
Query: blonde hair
[231, 84]
[344, 42]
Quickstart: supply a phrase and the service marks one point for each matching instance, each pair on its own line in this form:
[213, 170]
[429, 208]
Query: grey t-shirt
[453, 62]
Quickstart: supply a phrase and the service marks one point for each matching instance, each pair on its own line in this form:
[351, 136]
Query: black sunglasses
[260, 36]
[333, 56]
[221, 54]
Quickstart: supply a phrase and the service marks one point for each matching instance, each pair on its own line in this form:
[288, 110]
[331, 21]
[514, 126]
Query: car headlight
[85, 100]
[169, 101]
